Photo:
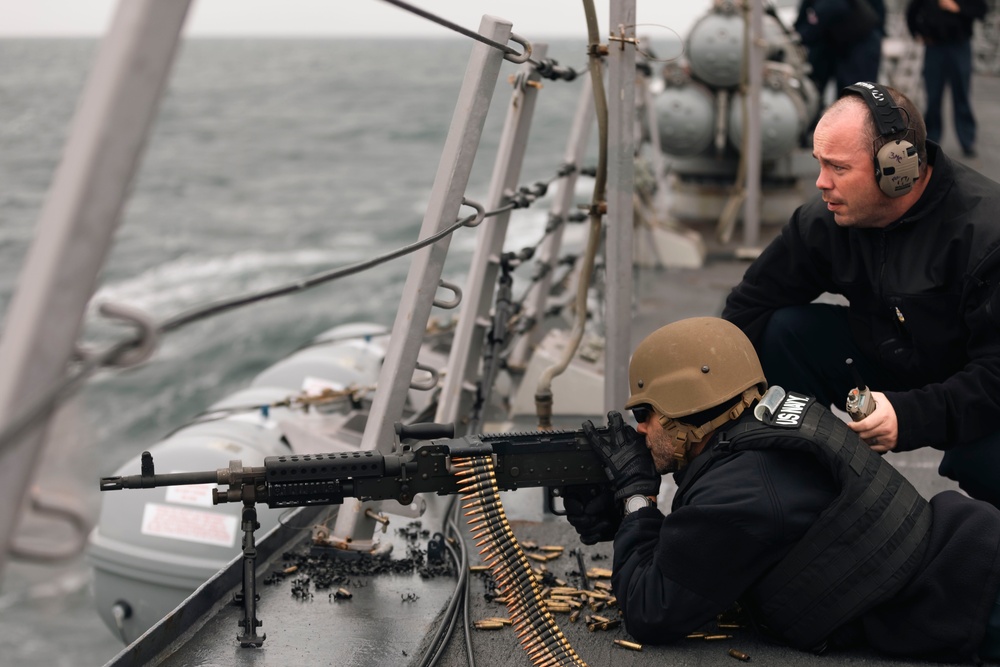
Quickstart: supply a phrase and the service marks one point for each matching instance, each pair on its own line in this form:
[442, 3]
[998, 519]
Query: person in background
[843, 39]
[918, 260]
[944, 27]
[781, 508]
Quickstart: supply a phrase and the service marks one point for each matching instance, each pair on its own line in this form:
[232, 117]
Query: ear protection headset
[896, 163]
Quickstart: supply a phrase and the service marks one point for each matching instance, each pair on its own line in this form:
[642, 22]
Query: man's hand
[592, 511]
[627, 462]
[879, 430]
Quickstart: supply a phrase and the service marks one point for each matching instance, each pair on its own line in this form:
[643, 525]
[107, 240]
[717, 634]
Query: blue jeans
[950, 64]
[804, 349]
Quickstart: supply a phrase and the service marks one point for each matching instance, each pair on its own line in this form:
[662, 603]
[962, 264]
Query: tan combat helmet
[691, 366]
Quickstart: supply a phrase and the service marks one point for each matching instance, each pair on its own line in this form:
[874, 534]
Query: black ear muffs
[897, 164]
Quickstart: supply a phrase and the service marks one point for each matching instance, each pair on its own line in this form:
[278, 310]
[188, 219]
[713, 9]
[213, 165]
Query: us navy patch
[789, 413]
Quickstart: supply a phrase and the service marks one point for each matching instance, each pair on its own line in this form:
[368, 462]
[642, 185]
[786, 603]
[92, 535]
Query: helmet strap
[685, 435]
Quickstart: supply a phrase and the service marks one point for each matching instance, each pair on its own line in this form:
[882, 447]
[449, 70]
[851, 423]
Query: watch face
[636, 503]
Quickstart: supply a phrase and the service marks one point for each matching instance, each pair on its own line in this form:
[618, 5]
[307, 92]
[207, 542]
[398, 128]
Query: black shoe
[970, 152]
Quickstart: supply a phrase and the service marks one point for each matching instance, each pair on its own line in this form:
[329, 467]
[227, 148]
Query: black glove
[627, 462]
[593, 511]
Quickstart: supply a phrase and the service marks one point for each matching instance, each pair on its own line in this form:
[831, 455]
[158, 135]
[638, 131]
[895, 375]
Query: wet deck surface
[390, 616]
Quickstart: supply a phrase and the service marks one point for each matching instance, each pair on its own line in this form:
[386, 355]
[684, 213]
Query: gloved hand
[627, 462]
[592, 511]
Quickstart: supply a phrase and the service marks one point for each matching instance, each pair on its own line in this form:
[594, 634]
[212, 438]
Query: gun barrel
[167, 479]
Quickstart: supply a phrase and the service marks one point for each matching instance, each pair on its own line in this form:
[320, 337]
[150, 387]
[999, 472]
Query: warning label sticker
[181, 523]
[192, 494]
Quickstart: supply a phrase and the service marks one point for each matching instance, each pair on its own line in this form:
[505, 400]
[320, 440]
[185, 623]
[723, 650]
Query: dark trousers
[951, 65]
[804, 349]
[845, 64]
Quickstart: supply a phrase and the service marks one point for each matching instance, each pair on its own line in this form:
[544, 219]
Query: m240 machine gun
[428, 460]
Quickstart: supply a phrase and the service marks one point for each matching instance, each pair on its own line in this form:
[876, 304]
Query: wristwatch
[637, 502]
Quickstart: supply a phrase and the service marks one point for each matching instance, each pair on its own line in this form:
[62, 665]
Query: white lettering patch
[181, 523]
[791, 410]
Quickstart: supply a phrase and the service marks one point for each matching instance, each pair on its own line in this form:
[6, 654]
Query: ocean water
[270, 160]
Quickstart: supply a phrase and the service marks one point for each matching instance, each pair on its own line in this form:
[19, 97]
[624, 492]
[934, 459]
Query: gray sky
[531, 18]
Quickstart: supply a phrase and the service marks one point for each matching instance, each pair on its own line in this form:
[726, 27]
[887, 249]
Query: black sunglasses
[642, 413]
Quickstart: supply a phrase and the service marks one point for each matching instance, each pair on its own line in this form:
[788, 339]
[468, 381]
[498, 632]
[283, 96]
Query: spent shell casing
[696, 635]
[739, 655]
[498, 619]
[629, 645]
[716, 637]
[488, 625]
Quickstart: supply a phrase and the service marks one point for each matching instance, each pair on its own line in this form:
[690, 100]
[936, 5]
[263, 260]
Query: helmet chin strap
[685, 435]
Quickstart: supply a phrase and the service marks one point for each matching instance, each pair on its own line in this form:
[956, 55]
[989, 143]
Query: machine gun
[552, 459]
[423, 463]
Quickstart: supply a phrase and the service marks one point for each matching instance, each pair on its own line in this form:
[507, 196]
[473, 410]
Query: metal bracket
[620, 37]
[69, 515]
[480, 212]
[428, 384]
[142, 346]
[456, 290]
[522, 57]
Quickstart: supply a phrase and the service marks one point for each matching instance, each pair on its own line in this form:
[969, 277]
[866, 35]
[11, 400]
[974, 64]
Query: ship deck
[390, 617]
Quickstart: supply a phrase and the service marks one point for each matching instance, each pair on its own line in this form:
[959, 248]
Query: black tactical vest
[861, 550]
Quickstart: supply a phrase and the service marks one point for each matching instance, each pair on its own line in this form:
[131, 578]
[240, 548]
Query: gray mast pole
[755, 78]
[425, 269]
[466, 348]
[621, 166]
[562, 204]
[77, 223]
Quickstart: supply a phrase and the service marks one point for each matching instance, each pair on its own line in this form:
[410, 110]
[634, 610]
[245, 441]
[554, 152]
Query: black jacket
[926, 19]
[673, 574]
[923, 293]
